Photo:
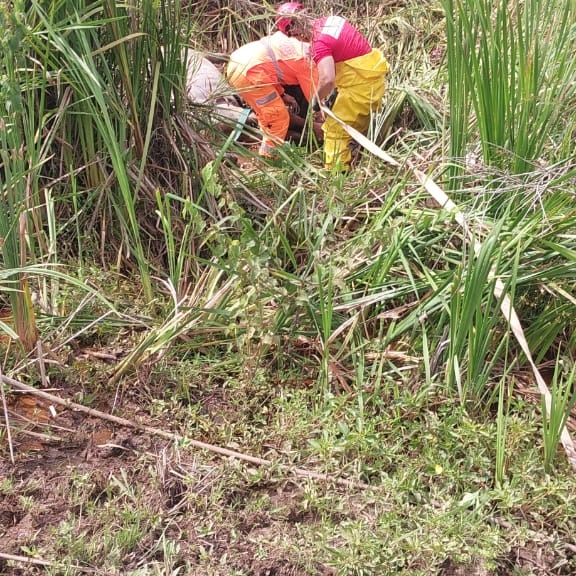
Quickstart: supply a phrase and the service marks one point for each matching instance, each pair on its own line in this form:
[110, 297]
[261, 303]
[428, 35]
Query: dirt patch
[454, 569]
[67, 462]
[538, 559]
[282, 567]
[79, 480]
[51, 446]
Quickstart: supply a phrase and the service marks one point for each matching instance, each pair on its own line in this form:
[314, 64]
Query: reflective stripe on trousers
[267, 104]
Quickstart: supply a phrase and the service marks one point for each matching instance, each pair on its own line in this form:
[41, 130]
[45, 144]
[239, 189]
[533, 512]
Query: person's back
[335, 36]
[245, 58]
[260, 70]
[275, 59]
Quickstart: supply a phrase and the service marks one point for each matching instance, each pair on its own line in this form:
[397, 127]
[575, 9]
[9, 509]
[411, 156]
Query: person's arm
[326, 77]
[307, 73]
[299, 124]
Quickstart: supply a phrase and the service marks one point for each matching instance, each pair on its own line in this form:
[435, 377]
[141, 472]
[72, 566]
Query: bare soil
[54, 447]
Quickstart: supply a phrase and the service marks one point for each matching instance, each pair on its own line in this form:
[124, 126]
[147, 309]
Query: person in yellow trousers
[259, 71]
[346, 63]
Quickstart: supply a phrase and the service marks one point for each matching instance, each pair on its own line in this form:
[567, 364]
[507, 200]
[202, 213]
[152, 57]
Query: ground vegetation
[218, 364]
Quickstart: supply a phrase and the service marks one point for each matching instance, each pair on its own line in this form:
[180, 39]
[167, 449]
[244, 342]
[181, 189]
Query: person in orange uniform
[259, 71]
[346, 63]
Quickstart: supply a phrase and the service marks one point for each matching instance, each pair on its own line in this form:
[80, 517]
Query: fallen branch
[21, 418]
[299, 472]
[41, 562]
[39, 435]
[7, 420]
[26, 559]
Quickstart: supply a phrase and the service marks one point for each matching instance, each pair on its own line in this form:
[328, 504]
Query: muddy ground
[54, 446]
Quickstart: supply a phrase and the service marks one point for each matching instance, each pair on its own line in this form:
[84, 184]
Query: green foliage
[22, 154]
[556, 413]
[267, 278]
[474, 322]
[511, 79]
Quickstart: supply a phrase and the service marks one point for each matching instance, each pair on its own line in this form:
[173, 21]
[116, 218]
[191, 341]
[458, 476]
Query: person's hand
[319, 115]
[315, 104]
[291, 103]
[318, 133]
[329, 102]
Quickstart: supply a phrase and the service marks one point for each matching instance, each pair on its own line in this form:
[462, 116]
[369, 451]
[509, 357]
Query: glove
[329, 102]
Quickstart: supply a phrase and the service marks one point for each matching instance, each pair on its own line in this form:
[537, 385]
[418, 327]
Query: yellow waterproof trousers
[361, 83]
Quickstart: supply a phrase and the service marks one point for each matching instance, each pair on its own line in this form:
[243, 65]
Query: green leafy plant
[508, 65]
[556, 413]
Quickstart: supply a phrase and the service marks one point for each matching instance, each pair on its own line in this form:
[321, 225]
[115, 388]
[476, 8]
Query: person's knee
[275, 121]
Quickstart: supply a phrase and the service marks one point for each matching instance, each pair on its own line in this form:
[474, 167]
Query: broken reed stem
[41, 562]
[7, 420]
[14, 558]
[299, 472]
[41, 364]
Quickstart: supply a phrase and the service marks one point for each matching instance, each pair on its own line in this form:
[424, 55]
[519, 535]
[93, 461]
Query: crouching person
[346, 62]
[260, 70]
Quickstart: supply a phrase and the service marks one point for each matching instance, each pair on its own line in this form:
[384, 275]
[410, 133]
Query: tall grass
[21, 157]
[562, 401]
[511, 82]
[469, 324]
[511, 79]
[121, 89]
[89, 114]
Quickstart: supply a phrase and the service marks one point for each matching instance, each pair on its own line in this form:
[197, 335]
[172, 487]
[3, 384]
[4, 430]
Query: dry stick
[41, 562]
[299, 472]
[39, 435]
[41, 364]
[506, 306]
[44, 437]
[14, 558]
[36, 423]
[7, 420]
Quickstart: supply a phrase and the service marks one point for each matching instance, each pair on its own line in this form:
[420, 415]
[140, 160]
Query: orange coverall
[260, 70]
